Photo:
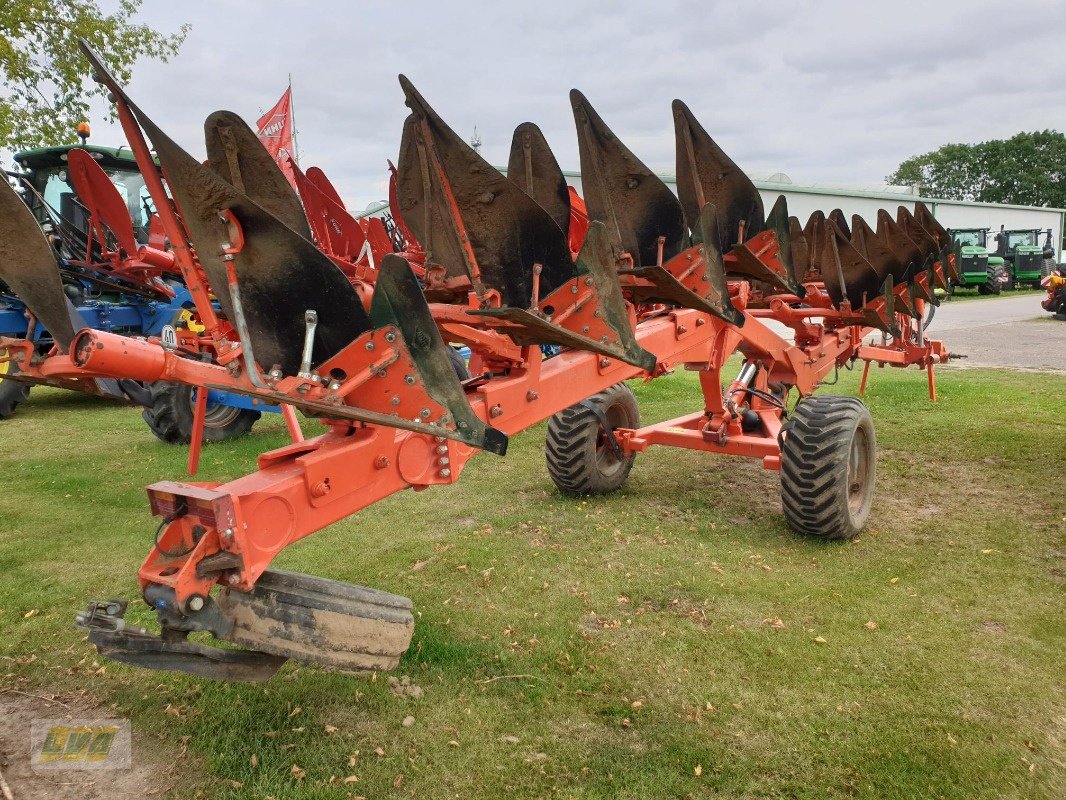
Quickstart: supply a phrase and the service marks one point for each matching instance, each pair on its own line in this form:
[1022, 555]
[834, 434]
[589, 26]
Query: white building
[866, 200]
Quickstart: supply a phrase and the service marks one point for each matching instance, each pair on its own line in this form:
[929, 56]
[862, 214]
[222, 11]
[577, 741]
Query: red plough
[636, 283]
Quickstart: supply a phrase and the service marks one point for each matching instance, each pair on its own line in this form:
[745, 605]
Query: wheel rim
[218, 415]
[606, 459]
[858, 471]
[5, 366]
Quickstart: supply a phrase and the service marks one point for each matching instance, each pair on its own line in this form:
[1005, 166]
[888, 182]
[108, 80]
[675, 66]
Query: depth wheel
[170, 417]
[828, 466]
[579, 452]
[12, 392]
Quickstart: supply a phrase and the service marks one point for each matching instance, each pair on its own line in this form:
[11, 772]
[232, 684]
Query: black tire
[580, 458]
[1010, 285]
[170, 417]
[1047, 267]
[458, 364]
[828, 467]
[12, 393]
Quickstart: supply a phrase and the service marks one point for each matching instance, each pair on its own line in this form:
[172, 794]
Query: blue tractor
[106, 296]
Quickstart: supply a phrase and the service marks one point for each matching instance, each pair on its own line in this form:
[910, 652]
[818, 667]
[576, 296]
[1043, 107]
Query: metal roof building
[866, 200]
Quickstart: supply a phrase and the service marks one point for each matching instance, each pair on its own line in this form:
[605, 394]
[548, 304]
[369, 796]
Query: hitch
[116, 639]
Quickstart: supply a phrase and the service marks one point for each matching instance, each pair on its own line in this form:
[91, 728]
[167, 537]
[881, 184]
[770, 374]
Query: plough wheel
[828, 467]
[582, 455]
[171, 413]
[11, 392]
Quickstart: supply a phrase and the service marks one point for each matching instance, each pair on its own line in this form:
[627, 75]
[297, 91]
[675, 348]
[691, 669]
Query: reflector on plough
[637, 299]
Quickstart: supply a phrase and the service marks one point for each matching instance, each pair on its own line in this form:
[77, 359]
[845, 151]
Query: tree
[43, 75]
[1028, 169]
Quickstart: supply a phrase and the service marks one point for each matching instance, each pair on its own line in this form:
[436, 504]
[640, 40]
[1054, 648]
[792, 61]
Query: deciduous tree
[43, 76]
[1027, 169]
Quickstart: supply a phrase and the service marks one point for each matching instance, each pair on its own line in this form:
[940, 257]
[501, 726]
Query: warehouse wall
[802, 201]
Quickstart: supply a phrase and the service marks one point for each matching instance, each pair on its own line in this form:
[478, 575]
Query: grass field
[672, 640]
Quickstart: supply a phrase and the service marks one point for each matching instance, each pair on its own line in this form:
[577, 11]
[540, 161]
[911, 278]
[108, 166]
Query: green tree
[44, 78]
[1027, 169]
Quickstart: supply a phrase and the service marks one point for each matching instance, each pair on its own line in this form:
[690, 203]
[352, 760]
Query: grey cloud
[831, 91]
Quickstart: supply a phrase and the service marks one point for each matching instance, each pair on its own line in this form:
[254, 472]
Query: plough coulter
[628, 282]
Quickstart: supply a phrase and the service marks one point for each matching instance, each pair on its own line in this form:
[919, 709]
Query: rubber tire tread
[171, 416]
[12, 394]
[161, 419]
[814, 467]
[570, 446]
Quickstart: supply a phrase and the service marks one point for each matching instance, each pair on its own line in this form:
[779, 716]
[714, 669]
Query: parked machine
[1055, 284]
[654, 283]
[1026, 259]
[977, 269]
[117, 275]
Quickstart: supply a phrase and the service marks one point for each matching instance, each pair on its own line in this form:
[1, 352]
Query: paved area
[1002, 332]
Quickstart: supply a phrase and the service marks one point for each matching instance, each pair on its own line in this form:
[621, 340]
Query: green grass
[971, 293]
[611, 646]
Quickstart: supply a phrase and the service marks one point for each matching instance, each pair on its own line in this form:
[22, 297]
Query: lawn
[671, 640]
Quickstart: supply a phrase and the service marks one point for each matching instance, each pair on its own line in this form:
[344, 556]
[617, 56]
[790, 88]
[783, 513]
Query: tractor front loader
[632, 282]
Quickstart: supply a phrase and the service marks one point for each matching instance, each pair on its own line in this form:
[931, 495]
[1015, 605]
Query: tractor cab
[51, 196]
[1024, 254]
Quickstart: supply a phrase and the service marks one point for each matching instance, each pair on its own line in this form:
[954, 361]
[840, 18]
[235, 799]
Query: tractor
[1027, 261]
[98, 234]
[977, 269]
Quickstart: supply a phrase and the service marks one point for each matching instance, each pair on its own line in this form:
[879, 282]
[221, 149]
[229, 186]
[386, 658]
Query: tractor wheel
[458, 364]
[11, 392]
[579, 451]
[1047, 267]
[828, 465]
[170, 417]
[1010, 285]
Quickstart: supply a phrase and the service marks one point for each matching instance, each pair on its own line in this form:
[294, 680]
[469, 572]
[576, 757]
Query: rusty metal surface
[846, 272]
[178, 654]
[596, 260]
[398, 300]
[778, 222]
[705, 174]
[902, 246]
[281, 274]
[28, 266]
[621, 192]
[841, 222]
[801, 251]
[865, 240]
[236, 154]
[508, 231]
[533, 166]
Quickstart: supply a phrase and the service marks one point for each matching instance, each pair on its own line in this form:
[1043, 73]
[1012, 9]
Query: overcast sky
[833, 91]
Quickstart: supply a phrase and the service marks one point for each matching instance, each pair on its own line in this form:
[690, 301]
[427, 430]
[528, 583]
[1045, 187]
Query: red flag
[275, 132]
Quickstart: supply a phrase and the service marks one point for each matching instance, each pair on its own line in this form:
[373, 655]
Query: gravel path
[1002, 332]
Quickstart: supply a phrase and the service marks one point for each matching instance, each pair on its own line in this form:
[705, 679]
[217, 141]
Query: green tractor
[977, 269]
[1026, 260]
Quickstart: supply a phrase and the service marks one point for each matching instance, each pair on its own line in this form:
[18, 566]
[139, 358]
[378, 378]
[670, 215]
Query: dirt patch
[147, 778]
[992, 627]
